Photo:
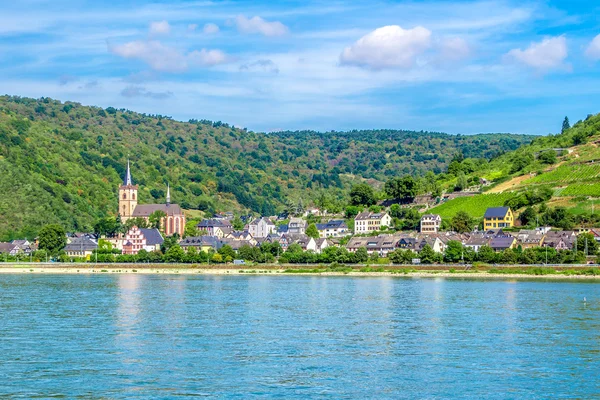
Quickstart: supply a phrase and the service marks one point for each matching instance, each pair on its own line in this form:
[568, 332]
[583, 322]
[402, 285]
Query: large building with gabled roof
[174, 219]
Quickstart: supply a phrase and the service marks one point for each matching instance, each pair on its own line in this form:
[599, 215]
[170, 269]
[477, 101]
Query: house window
[124, 196]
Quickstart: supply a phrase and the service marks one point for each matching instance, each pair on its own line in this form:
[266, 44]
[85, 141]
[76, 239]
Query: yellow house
[498, 217]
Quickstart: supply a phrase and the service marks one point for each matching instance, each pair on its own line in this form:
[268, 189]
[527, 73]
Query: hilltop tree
[462, 222]
[362, 194]
[401, 188]
[52, 239]
[565, 125]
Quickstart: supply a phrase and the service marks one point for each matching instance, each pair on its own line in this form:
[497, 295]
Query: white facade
[261, 228]
[430, 223]
[367, 222]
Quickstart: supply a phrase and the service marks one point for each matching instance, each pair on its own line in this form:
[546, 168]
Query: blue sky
[452, 66]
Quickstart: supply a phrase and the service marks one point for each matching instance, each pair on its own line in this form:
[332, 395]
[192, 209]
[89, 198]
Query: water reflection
[124, 336]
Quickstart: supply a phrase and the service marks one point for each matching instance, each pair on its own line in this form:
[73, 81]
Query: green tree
[462, 222]
[352, 211]
[108, 226]
[175, 254]
[227, 250]
[155, 218]
[361, 255]
[461, 182]
[528, 216]
[401, 188]
[237, 224]
[486, 254]
[565, 125]
[312, 231]
[427, 255]
[52, 239]
[587, 240]
[362, 194]
[548, 157]
[190, 228]
[453, 252]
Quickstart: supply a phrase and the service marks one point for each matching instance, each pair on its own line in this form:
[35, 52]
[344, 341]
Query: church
[174, 220]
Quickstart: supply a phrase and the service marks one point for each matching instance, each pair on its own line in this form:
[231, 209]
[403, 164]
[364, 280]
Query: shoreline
[23, 269]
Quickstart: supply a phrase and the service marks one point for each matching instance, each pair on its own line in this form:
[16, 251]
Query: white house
[430, 223]
[261, 227]
[369, 221]
[297, 226]
[333, 228]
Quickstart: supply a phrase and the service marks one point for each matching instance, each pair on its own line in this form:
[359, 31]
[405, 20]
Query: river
[171, 336]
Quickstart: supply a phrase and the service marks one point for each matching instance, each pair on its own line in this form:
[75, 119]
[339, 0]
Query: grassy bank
[504, 272]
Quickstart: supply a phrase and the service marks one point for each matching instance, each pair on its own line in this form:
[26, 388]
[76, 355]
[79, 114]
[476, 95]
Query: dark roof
[212, 241]
[7, 247]
[502, 242]
[144, 210]
[213, 223]
[333, 224]
[153, 236]
[496, 212]
[81, 244]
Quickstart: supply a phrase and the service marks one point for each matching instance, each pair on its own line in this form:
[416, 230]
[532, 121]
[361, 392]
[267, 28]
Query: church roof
[144, 210]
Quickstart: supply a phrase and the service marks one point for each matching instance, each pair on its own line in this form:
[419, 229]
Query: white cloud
[167, 59]
[258, 25]
[192, 27]
[454, 49]
[593, 50]
[208, 58]
[158, 56]
[210, 28]
[546, 55]
[388, 47]
[160, 28]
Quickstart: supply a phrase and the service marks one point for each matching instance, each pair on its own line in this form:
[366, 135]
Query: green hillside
[566, 165]
[475, 205]
[62, 162]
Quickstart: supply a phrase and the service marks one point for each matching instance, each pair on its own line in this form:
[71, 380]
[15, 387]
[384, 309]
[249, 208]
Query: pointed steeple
[127, 180]
[168, 194]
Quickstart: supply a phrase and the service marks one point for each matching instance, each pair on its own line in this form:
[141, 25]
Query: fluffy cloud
[593, 50]
[261, 65]
[167, 59]
[546, 55]
[210, 28]
[192, 27]
[207, 58]
[258, 25]
[388, 47]
[158, 56]
[160, 28]
[138, 91]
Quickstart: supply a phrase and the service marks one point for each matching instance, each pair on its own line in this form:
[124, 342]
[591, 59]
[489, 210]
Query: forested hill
[62, 162]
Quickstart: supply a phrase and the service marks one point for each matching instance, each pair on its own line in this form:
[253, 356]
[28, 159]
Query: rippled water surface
[153, 336]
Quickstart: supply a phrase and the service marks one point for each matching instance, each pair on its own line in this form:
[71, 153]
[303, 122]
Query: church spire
[168, 194]
[127, 180]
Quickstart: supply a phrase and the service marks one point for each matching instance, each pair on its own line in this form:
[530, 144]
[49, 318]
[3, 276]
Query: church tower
[127, 196]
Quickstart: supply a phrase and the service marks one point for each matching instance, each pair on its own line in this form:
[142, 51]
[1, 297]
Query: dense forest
[62, 162]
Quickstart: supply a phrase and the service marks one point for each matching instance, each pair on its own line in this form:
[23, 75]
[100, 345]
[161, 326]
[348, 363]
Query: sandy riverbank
[258, 271]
